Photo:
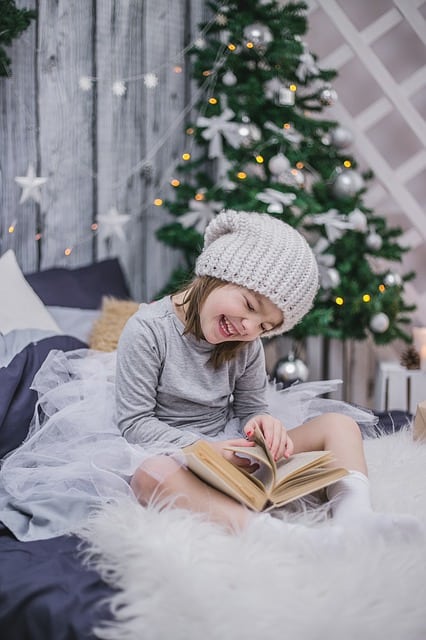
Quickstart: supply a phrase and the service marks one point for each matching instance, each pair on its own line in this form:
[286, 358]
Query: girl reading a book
[189, 366]
[192, 366]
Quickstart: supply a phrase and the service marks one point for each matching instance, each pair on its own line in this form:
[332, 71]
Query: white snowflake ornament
[119, 88]
[112, 224]
[150, 80]
[30, 185]
[85, 83]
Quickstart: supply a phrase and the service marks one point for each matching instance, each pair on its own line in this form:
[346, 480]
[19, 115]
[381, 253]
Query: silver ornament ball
[379, 323]
[249, 133]
[347, 184]
[341, 137]
[290, 369]
[328, 96]
[279, 164]
[392, 279]
[258, 34]
[229, 79]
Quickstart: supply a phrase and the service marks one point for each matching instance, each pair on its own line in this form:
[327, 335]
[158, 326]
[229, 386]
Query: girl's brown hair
[195, 294]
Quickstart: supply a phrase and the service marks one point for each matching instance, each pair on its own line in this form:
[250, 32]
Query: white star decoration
[112, 223]
[30, 185]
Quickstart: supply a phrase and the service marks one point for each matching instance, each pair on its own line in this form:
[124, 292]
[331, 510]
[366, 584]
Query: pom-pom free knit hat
[261, 253]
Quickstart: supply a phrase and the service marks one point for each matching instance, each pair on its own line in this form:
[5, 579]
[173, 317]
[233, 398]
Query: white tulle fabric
[75, 459]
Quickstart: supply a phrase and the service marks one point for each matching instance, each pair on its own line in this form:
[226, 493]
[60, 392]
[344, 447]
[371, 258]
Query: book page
[264, 476]
[299, 462]
[301, 487]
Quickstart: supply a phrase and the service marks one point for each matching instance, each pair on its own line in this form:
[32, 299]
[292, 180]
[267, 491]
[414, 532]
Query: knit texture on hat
[261, 253]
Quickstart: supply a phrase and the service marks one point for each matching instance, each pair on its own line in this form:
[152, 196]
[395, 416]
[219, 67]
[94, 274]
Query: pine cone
[410, 358]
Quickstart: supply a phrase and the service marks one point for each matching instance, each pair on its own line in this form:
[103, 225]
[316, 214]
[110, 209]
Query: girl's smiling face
[233, 313]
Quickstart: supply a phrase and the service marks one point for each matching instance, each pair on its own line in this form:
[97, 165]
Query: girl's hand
[277, 439]
[236, 459]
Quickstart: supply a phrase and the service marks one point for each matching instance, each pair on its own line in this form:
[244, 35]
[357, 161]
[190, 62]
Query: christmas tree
[260, 142]
[12, 22]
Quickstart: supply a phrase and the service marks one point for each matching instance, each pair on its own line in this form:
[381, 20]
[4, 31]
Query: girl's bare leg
[163, 479]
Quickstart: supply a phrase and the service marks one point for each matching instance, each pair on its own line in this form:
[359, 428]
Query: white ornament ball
[379, 323]
[347, 184]
[249, 133]
[229, 79]
[341, 137]
[392, 279]
[374, 241]
[259, 34]
[279, 164]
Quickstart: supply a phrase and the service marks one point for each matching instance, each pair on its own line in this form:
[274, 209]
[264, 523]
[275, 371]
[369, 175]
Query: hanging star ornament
[112, 224]
[30, 185]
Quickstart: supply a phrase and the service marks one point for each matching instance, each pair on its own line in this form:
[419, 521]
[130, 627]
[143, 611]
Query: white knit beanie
[261, 253]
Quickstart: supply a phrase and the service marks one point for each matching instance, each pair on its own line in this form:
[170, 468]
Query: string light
[286, 125]
[347, 163]
[249, 45]
[260, 159]
[11, 228]
[94, 226]
[158, 202]
[242, 175]
[199, 196]
[299, 165]
[366, 297]
[382, 288]
[177, 69]
[207, 73]
[68, 251]
[339, 300]
[186, 156]
[293, 87]
[213, 100]
[38, 236]
[175, 182]
[231, 46]
[189, 131]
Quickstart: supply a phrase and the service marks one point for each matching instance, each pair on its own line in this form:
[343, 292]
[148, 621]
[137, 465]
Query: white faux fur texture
[184, 579]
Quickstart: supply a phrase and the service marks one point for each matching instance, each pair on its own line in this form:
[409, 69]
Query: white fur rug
[182, 578]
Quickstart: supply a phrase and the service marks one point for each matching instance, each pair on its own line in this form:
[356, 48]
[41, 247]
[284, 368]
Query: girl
[192, 366]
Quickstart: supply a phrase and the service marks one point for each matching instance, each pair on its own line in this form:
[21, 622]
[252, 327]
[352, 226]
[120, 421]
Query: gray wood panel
[65, 137]
[18, 147]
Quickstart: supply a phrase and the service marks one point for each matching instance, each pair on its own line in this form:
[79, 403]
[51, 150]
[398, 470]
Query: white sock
[351, 507]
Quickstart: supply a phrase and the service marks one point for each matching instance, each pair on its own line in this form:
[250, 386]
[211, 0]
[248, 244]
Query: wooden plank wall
[98, 150]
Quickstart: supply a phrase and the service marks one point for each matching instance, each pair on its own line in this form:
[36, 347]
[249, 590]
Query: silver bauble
[347, 184]
[259, 34]
[341, 137]
[328, 96]
[290, 369]
[392, 279]
[374, 241]
[379, 323]
[279, 164]
[249, 133]
[229, 79]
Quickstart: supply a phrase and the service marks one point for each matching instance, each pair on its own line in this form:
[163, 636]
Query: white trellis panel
[378, 49]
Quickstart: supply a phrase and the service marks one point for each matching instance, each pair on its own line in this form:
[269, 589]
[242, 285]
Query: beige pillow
[107, 328]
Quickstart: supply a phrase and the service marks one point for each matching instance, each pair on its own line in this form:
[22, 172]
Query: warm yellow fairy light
[94, 226]
[293, 87]
[186, 156]
[158, 202]
[249, 45]
[231, 46]
[339, 301]
[260, 159]
[199, 196]
[189, 131]
[294, 172]
[207, 72]
[347, 163]
[241, 175]
[382, 288]
[299, 165]
[286, 125]
[175, 182]
[177, 69]
[212, 100]
[38, 236]
[11, 228]
[366, 297]
[68, 251]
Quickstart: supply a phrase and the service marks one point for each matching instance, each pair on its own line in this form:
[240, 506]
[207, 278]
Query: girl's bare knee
[337, 423]
[151, 477]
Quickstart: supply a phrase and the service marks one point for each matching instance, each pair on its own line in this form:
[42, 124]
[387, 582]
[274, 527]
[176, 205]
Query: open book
[273, 484]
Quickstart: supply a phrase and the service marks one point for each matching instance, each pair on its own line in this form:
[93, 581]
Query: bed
[144, 573]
